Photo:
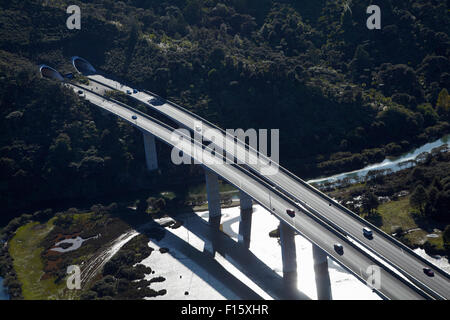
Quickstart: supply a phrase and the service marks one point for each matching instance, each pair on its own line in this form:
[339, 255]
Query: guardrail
[331, 227]
[322, 195]
[316, 191]
[313, 189]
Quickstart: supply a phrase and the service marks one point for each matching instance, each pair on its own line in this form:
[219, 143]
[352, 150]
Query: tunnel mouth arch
[50, 73]
[83, 66]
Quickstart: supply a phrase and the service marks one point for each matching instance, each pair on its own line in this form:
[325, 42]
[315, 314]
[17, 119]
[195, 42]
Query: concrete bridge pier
[151, 157]
[245, 224]
[289, 258]
[212, 191]
[322, 275]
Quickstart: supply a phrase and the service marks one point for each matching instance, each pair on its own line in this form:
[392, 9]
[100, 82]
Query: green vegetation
[342, 95]
[40, 273]
[25, 250]
[397, 214]
[122, 279]
[309, 67]
[412, 203]
[419, 198]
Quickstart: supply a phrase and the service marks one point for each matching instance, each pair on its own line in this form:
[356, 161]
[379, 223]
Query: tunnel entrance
[83, 66]
[50, 73]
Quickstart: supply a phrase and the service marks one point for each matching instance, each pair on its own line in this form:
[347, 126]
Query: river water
[344, 285]
[390, 163]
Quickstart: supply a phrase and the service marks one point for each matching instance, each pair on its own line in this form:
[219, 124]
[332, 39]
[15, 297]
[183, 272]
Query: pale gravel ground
[201, 285]
[438, 261]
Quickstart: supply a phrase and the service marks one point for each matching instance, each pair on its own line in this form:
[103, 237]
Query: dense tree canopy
[342, 95]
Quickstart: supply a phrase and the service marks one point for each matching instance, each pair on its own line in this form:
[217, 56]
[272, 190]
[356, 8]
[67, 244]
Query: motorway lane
[352, 259]
[393, 254]
[385, 248]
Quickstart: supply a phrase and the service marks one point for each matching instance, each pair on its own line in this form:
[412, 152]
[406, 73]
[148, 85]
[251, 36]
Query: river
[390, 163]
[343, 283]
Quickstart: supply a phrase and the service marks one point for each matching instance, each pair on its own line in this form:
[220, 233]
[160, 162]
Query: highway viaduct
[288, 228]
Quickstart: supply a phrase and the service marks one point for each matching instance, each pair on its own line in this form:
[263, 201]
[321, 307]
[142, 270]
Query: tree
[60, 151]
[193, 11]
[436, 184]
[443, 103]
[156, 204]
[346, 18]
[142, 206]
[360, 61]
[430, 116]
[442, 205]
[446, 238]
[419, 198]
[430, 207]
[216, 57]
[370, 202]
[417, 174]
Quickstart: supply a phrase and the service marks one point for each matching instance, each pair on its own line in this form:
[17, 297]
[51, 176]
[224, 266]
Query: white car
[367, 232]
[198, 128]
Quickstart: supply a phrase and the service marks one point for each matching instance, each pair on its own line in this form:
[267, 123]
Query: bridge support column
[212, 190]
[289, 257]
[151, 157]
[322, 275]
[245, 225]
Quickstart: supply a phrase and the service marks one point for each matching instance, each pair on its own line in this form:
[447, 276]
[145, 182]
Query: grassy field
[26, 253]
[437, 242]
[397, 214]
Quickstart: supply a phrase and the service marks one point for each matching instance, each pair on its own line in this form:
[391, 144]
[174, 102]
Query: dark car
[339, 248]
[367, 233]
[80, 91]
[135, 91]
[134, 117]
[128, 91]
[290, 212]
[156, 102]
[428, 272]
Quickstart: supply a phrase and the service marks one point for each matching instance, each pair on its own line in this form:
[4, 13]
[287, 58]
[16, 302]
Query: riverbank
[391, 164]
[394, 214]
[410, 204]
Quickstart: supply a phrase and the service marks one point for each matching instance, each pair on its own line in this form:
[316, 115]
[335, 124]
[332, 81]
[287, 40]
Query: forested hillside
[342, 95]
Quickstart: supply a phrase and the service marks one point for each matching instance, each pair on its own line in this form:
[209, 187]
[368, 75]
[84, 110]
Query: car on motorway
[134, 117]
[128, 91]
[290, 212]
[198, 128]
[428, 272]
[339, 248]
[156, 101]
[367, 233]
[135, 91]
